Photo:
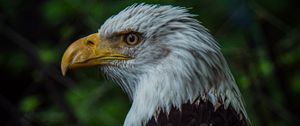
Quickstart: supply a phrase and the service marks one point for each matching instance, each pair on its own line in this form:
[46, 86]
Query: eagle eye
[131, 39]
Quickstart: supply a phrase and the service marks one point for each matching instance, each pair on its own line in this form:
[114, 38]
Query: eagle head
[162, 58]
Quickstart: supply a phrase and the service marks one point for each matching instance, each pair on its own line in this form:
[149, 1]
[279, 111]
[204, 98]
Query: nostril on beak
[90, 43]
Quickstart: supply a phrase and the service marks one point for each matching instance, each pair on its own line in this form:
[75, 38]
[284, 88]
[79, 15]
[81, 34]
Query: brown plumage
[202, 113]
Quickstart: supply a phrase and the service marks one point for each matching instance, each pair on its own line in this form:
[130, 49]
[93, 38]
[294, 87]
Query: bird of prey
[169, 65]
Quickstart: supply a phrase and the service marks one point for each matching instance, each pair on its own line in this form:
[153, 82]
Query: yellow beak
[89, 51]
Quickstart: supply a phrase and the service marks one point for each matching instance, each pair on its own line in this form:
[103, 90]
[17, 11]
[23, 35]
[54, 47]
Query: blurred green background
[260, 39]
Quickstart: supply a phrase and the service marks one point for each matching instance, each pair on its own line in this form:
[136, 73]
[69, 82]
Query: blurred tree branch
[274, 31]
[49, 72]
[32, 53]
[17, 117]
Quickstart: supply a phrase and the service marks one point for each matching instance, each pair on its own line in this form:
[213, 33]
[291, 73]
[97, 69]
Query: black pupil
[131, 38]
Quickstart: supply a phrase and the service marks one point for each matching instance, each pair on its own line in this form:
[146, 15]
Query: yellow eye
[131, 39]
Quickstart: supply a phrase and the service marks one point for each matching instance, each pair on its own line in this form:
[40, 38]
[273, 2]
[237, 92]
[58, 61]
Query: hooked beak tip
[64, 69]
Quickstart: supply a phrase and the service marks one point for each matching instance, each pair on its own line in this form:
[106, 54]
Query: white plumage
[177, 62]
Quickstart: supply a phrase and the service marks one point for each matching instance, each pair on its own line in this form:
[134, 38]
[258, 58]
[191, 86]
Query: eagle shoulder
[202, 113]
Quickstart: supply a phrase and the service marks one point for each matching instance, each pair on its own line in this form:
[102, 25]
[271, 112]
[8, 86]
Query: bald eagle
[168, 64]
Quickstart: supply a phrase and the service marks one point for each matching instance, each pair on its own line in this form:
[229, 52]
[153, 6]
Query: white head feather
[177, 62]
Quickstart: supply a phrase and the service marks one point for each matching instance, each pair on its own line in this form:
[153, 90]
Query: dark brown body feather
[202, 114]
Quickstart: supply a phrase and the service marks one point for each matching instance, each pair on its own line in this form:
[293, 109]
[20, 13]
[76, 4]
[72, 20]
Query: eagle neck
[173, 82]
[163, 86]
